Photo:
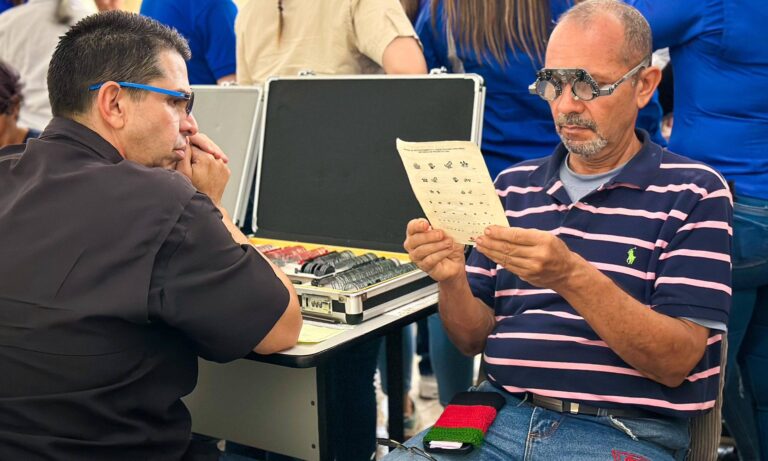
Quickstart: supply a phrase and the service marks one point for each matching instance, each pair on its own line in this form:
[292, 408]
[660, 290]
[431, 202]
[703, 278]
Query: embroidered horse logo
[631, 256]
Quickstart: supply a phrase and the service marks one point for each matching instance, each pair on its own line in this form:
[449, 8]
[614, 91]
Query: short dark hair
[109, 46]
[10, 89]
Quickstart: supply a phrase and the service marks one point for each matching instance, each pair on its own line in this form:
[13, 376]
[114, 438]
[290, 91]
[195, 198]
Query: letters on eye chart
[453, 187]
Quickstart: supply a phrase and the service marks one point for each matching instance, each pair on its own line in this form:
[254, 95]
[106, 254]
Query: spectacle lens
[548, 90]
[583, 90]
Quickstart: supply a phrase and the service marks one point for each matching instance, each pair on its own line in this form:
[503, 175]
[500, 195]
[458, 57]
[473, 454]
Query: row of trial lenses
[365, 283]
[323, 265]
[383, 270]
[365, 270]
[355, 262]
[380, 271]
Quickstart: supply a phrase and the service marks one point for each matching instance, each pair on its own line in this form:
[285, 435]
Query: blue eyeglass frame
[189, 97]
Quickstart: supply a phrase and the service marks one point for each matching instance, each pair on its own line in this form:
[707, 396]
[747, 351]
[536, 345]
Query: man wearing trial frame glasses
[549, 83]
[600, 307]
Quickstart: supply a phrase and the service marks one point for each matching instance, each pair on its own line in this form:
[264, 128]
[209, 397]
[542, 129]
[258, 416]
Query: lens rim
[543, 86]
[592, 88]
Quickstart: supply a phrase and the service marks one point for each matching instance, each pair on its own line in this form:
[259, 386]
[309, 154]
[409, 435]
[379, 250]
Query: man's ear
[647, 81]
[111, 104]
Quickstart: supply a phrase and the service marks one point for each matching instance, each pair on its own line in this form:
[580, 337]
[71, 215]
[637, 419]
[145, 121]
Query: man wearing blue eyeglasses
[118, 265]
[601, 310]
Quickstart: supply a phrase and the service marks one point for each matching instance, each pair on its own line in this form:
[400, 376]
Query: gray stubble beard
[584, 149]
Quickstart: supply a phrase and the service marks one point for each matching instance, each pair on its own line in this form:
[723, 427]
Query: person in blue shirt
[209, 27]
[517, 126]
[721, 118]
[5, 4]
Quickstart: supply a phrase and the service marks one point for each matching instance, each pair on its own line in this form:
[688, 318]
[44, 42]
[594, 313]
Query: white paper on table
[453, 187]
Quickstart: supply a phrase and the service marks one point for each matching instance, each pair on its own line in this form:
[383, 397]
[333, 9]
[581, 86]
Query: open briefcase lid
[328, 170]
[230, 116]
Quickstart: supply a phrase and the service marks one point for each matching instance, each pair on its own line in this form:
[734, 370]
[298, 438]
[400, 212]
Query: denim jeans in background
[453, 370]
[522, 432]
[422, 348]
[409, 349]
[745, 407]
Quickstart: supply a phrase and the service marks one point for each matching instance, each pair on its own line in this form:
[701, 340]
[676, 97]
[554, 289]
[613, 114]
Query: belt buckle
[574, 408]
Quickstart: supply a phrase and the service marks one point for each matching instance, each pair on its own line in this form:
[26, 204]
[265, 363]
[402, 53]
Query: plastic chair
[706, 428]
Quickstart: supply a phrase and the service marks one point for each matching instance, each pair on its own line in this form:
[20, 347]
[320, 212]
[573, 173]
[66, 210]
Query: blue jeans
[453, 370]
[527, 433]
[745, 406]
[409, 348]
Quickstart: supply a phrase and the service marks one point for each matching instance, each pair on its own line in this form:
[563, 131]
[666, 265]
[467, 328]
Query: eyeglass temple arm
[609, 89]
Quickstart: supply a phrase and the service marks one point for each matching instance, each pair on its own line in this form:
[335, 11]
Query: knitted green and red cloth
[467, 418]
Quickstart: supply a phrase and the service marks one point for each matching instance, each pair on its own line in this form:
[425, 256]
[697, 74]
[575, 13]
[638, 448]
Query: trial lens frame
[555, 78]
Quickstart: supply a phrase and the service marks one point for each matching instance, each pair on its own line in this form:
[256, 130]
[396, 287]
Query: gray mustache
[575, 120]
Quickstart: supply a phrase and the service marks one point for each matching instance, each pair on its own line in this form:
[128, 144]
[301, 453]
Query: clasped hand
[206, 166]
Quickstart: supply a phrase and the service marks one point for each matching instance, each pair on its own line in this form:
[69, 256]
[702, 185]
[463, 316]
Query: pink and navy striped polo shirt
[660, 229]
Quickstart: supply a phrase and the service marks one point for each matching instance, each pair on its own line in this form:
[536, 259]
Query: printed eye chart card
[453, 187]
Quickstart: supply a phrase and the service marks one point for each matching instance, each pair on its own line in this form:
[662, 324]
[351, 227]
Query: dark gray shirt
[114, 278]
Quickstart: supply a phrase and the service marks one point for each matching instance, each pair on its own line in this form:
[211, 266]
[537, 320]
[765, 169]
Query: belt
[575, 408]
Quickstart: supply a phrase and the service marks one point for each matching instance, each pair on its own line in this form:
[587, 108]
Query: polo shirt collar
[638, 172]
[67, 128]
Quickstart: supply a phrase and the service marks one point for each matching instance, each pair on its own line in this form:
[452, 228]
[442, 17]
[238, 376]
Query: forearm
[663, 348]
[467, 320]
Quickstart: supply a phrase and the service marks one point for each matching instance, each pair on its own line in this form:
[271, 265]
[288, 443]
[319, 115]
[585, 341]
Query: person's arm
[242, 68]
[467, 320]
[403, 56]
[663, 348]
[209, 175]
[384, 33]
[230, 78]
[285, 333]
[217, 25]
